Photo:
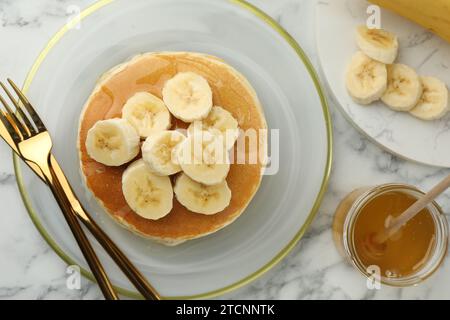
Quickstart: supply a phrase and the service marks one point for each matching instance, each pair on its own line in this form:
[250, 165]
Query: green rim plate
[302, 56]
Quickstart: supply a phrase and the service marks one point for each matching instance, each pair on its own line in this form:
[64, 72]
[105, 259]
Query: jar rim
[440, 246]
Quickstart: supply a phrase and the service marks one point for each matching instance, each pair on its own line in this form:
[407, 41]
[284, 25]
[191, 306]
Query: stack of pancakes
[149, 72]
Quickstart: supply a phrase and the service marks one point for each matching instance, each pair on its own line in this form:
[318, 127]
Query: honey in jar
[411, 254]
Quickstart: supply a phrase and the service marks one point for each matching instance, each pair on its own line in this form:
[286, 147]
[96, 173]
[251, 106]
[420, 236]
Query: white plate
[399, 133]
[111, 32]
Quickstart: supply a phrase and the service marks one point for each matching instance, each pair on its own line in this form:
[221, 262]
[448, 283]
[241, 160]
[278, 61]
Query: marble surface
[29, 269]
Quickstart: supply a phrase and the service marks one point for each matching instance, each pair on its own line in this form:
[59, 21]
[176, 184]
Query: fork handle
[88, 252]
[127, 267]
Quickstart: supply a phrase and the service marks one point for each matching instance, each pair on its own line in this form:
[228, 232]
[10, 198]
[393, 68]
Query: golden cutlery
[31, 141]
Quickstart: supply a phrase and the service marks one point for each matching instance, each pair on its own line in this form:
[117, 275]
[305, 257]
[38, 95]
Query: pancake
[149, 72]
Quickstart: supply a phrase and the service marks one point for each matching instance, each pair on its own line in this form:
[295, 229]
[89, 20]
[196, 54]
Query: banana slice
[404, 88]
[159, 152]
[200, 198]
[147, 194]
[219, 122]
[378, 44]
[433, 104]
[366, 79]
[204, 158]
[188, 96]
[146, 113]
[112, 142]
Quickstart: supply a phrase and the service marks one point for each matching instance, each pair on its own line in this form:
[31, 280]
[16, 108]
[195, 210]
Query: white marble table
[29, 269]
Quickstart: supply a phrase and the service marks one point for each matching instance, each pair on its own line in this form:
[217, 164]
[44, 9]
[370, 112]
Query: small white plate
[111, 32]
[399, 133]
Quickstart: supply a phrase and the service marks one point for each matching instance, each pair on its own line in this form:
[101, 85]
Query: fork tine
[6, 135]
[10, 128]
[28, 126]
[12, 118]
[36, 119]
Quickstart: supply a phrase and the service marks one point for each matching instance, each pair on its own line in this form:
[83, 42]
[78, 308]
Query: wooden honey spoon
[376, 242]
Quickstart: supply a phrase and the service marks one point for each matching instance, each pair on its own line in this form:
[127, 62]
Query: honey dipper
[378, 239]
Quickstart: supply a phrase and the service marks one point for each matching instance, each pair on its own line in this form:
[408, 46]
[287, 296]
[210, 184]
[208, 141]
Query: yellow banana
[431, 14]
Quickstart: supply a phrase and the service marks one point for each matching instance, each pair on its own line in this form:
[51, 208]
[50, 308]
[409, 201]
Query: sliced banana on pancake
[204, 158]
[112, 142]
[366, 79]
[219, 122]
[201, 198]
[159, 152]
[188, 96]
[404, 88]
[147, 194]
[378, 44]
[433, 104]
[146, 113]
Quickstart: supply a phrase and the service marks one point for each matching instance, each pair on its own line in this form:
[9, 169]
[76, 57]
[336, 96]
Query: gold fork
[29, 139]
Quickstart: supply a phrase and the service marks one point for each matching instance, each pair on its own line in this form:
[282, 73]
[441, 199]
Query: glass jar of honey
[409, 256]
